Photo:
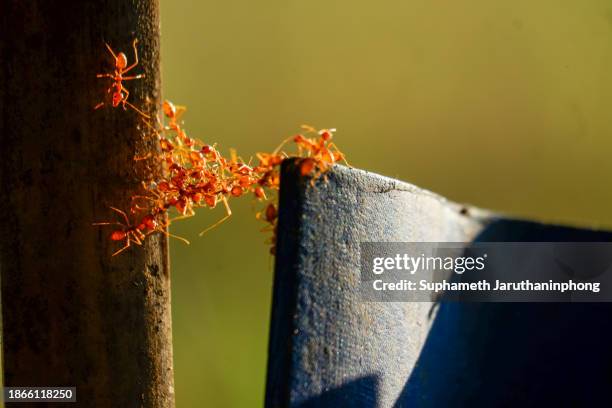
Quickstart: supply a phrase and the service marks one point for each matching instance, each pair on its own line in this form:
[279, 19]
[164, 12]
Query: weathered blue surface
[330, 349]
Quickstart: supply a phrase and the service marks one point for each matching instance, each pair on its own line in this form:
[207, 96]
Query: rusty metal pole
[72, 315]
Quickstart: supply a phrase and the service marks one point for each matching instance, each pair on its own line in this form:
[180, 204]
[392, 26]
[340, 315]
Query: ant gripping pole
[73, 315]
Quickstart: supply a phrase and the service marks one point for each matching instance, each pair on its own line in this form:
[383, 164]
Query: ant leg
[107, 223]
[136, 238]
[101, 104]
[163, 230]
[145, 157]
[134, 197]
[127, 245]
[229, 214]
[180, 110]
[280, 146]
[125, 102]
[135, 205]
[169, 235]
[105, 76]
[110, 50]
[332, 145]
[128, 78]
[125, 217]
[135, 56]
[150, 126]
[141, 113]
[182, 217]
[148, 188]
[126, 96]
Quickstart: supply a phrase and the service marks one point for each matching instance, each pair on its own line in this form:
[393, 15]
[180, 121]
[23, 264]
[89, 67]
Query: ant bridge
[330, 348]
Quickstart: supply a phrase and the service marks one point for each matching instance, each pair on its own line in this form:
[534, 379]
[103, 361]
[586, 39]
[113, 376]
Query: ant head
[169, 109]
[121, 61]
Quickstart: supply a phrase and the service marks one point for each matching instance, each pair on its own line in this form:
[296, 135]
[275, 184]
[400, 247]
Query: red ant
[270, 216]
[134, 233]
[174, 113]
[119, 93]
[128, 233]
[321, 153]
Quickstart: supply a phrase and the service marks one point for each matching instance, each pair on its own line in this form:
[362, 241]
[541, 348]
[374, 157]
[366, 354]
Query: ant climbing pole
[73, 315]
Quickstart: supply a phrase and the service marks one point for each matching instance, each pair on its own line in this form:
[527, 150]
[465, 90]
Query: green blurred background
[501, 104]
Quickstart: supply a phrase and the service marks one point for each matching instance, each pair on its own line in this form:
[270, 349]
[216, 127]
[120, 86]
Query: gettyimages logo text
[412, 264]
